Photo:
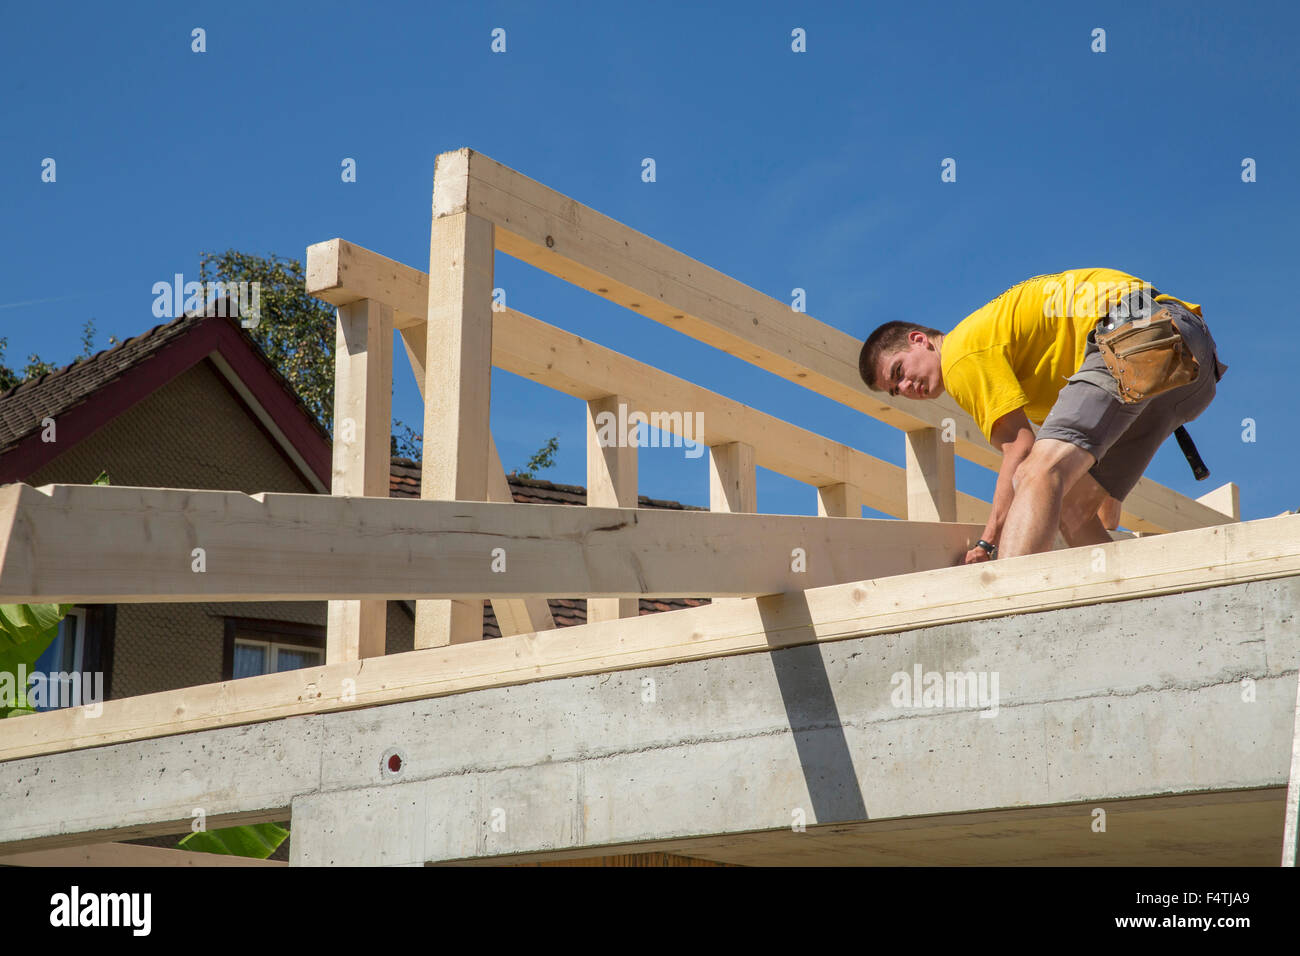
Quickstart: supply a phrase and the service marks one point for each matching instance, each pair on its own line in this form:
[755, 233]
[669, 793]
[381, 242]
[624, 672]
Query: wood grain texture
[1143, 567]
[1150, 507]
[93, 544]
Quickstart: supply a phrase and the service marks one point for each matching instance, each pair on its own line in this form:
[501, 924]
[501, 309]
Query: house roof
[404, 482]
[119, 377]
[50, 395]
[90, 392]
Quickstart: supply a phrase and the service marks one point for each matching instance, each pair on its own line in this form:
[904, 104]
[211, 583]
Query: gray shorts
[1123, 438]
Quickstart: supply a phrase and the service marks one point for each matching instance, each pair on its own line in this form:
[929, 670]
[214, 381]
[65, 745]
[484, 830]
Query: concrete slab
[1156, 697]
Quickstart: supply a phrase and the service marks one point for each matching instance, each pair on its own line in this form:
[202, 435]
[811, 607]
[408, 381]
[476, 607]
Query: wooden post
[363, 383]
[839, 501]
[514, 615]
[1226, 499]
[611, 483]
[733, 486]
[931, 482]
[341, 272]
[457, 391]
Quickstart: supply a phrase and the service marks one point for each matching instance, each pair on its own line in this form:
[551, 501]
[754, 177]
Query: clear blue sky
[818, 170]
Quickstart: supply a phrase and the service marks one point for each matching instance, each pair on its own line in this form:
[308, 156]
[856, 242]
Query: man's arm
[1012, 434]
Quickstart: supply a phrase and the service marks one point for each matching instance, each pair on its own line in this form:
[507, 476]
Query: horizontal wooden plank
[344, 272]
[1153, 507]
[1190, 560]
[559, 235]
[576, 366]
[553, 232]
[84, 543]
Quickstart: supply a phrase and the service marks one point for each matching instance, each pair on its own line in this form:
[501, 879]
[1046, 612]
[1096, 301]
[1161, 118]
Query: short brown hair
[886, 340]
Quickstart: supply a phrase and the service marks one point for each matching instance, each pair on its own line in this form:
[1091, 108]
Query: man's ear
[917, 337]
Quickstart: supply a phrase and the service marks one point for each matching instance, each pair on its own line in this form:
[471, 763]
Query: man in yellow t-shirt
[1029, 356]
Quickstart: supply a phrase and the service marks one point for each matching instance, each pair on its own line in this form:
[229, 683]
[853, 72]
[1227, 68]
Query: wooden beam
[514, 616]
[567, 239]
[1226, 499]
[839, 501]
[127, 854]
[576, 366]
[931, 479]
[1144, 567]
[611, 483]
[363, 386]
[733, 487]
[99, 544]
[342, 273]
[457, 395]
[1150, 507]
[415, 341]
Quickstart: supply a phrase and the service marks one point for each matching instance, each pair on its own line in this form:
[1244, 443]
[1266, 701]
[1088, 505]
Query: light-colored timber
[363, 382]
[1225, 498]
[931, 478]
[1159, 564]
[97, 544]
[514, 615]
[611, 483]
[340, 271]
[457, 396]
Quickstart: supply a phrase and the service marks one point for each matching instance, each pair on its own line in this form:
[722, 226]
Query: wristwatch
[992, 549]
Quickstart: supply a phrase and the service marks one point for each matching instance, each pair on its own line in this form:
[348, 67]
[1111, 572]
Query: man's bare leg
[1081, 522]
[1109, 512]
[1040, 483]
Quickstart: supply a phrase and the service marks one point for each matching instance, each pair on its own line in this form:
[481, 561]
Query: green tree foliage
[36, 366]
[8, 377]
[406, 443]
[544, 458]
[26, 630]
[258, 840]
[296, 331]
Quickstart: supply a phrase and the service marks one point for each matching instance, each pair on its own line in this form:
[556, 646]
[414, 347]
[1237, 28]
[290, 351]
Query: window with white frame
[256, 646]
[253, 657]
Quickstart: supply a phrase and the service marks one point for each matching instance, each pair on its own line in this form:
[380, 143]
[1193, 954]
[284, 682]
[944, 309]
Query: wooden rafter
[340, 271]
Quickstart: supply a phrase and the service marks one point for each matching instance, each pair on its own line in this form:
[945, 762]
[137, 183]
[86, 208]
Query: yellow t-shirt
[1018, 350]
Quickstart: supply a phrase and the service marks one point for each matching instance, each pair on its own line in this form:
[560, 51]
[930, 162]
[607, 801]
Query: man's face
[914, 372]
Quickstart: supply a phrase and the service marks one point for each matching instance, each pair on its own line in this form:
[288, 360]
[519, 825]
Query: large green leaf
[26, 631]
[23, 623]
[258, 841]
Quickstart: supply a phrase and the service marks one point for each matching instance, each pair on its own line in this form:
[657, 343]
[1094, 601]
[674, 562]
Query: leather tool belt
[1146, 356]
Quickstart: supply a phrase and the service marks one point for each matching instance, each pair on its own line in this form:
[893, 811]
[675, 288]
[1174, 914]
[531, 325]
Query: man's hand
[975, 555]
